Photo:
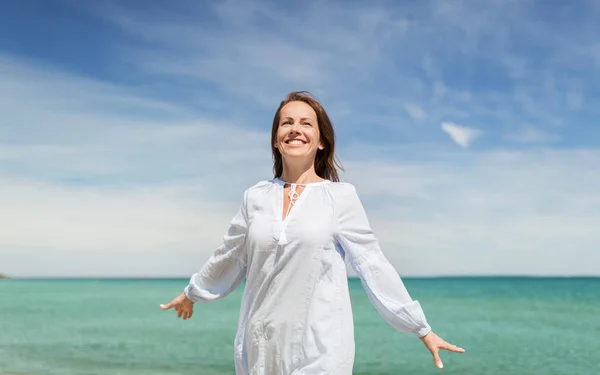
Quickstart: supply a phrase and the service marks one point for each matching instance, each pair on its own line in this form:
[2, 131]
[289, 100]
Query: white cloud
[53, 229]
[259, 63]
[61, 127]
[528, 212]
[251, 53]
[462, 135]
[88, 188]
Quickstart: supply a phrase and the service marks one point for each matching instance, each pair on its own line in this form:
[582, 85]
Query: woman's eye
[307, 124]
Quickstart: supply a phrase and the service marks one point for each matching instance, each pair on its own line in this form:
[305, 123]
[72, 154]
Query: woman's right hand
[183, 305]
[434, 343]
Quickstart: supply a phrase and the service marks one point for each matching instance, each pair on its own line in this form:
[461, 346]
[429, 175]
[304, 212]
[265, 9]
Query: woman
[289, 240]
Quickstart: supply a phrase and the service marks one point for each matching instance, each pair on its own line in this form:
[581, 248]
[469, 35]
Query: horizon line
[474, 276]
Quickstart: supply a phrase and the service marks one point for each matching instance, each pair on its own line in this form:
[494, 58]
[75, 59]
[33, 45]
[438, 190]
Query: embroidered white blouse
[296, 316]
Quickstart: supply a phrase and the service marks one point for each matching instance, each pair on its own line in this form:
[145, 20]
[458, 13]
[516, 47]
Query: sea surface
[525, 326]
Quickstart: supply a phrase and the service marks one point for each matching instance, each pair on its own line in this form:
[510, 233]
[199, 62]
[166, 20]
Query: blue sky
[129, 130]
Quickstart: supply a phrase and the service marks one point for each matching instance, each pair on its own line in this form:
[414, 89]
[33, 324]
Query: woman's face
[298, 134]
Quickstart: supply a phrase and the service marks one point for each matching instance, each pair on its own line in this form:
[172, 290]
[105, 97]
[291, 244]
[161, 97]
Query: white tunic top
[296, 316]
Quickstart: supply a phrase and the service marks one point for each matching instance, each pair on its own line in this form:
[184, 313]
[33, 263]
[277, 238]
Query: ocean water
[528, 326]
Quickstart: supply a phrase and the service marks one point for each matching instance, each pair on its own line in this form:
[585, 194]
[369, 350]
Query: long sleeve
[380, 280]
[226, 268]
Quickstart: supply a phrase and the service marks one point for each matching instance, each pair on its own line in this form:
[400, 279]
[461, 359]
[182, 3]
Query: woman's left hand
[183, 305]
[434, 343]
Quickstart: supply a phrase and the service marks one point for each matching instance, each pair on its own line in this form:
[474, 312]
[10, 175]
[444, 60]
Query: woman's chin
[298, 156]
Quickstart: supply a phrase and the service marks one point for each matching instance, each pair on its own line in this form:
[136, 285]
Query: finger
[452, 348]
[437, 360]
[456, 349]
[179, 313]
[167, 306]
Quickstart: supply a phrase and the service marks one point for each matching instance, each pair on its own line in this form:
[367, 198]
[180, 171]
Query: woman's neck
[299, 175]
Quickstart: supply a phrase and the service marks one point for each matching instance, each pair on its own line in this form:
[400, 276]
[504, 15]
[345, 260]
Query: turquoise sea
[525, 326]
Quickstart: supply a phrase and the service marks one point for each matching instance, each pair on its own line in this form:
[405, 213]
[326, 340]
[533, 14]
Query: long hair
[326, 164]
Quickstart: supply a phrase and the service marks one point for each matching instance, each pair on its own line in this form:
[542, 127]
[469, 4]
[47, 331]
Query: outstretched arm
[223, 271]
[226, 268]
[383, 285]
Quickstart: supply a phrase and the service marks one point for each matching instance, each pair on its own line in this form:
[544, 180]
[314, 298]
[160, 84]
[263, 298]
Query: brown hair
[326, 164]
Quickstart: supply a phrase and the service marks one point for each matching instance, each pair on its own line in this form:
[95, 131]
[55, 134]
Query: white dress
[296, 316]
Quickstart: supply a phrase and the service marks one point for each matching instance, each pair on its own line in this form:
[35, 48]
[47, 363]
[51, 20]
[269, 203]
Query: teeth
[296, 142]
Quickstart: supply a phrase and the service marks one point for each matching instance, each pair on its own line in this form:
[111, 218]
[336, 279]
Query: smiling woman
[302, 119]
[289, 240]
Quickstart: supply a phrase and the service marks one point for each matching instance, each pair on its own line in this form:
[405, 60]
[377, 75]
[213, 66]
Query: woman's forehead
[298, 109]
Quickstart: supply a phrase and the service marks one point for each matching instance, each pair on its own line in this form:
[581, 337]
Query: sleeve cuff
[423, 331]
[189, 293]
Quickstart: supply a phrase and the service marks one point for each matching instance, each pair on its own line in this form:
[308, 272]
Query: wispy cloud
[257, 51]
[414, 111]
[470, 64]
[503, 211]
[86, 175]
[65, 229]
[462, 135]
[84, 129]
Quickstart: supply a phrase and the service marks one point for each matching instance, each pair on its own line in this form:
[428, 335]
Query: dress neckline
[283, 183]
